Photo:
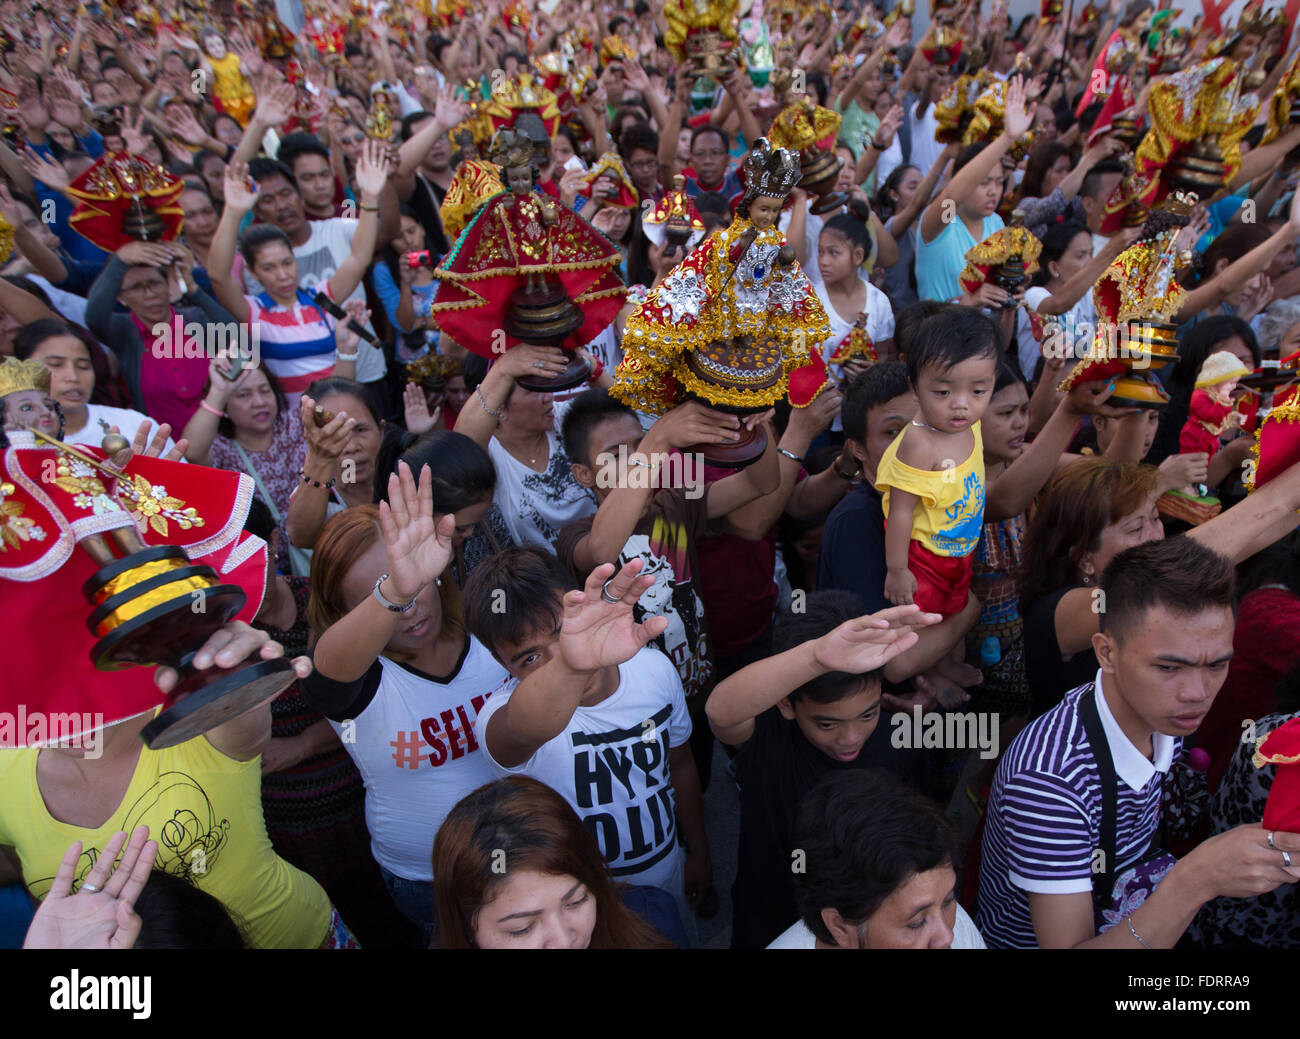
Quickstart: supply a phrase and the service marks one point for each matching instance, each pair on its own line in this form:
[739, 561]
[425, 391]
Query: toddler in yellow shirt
[932, 476]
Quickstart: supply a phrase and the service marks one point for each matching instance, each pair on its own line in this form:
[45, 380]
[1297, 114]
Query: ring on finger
[604, 592]
[1270, 841]
[90, 888]
[1286, 859]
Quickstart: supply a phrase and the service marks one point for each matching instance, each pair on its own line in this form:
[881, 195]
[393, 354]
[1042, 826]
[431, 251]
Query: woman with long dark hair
[515, 868]
[1091, 511]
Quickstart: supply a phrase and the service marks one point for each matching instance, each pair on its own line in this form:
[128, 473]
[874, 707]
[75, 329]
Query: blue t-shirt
[853, 548]
[939, 262]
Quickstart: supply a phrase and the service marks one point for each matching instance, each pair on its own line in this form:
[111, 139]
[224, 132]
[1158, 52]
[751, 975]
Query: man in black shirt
[811, 709]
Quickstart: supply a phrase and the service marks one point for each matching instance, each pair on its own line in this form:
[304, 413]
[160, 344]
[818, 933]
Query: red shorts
[942, 582]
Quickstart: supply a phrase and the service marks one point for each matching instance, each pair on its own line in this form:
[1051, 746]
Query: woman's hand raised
[418, 547]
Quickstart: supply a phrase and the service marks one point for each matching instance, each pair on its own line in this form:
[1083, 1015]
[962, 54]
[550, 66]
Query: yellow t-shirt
[950, 515]
[205, 811]
[230, 82]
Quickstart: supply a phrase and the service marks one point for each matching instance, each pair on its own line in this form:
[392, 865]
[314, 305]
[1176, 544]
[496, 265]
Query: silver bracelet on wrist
[1133, 931]
[346, 357]
[387, 603]
[789, 454]
[482, 403]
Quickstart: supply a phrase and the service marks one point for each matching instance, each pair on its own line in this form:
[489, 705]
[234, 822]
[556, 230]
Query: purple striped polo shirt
[1043, 826]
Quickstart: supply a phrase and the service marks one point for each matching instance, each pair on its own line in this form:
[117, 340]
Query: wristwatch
[385, 603]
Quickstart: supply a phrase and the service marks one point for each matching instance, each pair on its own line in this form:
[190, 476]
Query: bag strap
[1103, 880]
[251, 469]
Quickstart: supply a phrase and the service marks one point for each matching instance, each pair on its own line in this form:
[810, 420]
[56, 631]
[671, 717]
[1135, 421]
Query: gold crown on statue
[511, 150]
[18, 375]
[770, 171]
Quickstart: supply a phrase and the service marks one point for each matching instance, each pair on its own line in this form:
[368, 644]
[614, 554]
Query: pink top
[172, 386]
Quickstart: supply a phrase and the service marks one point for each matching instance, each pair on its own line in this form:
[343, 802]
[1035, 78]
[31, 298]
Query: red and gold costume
[517, 239]
[1203, 107]
[1005, 245]
[522, 92]
[713, 297]
[1136, 300]
[703, 33]
[49, 500]
[475, 181]
[122, 189]
[1207, 422]
[611, 166]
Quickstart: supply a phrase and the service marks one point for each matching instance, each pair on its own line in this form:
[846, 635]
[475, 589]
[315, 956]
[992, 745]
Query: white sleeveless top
[415, 748]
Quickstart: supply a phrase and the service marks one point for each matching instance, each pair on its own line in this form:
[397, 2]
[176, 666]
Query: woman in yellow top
[932, 475]
[201, 801]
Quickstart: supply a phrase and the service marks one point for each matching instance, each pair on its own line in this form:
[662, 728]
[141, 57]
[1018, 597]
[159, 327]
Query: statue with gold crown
[1136, 300]
[1198, 119]
[954, 110]
[729, 323]
[703, 36]
[111, 562]
[526, 269]
[1008, 258]
[674, 224]
[806, 127]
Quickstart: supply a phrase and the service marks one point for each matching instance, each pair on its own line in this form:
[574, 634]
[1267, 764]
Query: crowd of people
[517, 680]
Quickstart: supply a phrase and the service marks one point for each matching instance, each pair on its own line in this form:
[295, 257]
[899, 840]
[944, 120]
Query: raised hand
[597, 632]
[184, 126]
[372, 168]
[31, 107]
[1018, 117]
[867, 643]
[145, 254]
[44, 169]
[276, 105]
[692, 423]
[531, 360]
[240, 190]
[449, 110]
[133, 134]
[101, 914]
[415, 405]
[63, 104]
[418, 548]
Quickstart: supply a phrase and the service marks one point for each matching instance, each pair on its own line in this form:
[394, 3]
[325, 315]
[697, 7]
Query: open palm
[372, 168]
[867, 643]
[597, 633]
[418, 547]
[96, 919]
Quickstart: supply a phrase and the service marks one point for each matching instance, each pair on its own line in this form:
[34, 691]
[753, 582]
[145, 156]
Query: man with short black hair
[877, 870]
[1071, 841]
[811, 709]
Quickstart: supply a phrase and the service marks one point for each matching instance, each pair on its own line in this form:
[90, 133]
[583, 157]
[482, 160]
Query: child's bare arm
[900, 584]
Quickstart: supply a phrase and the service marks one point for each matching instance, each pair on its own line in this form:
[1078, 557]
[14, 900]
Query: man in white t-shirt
[593, 713]
[875, 869]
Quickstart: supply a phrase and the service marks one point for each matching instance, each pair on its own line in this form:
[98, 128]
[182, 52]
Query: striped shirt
[297, 342]
[1043, 827]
